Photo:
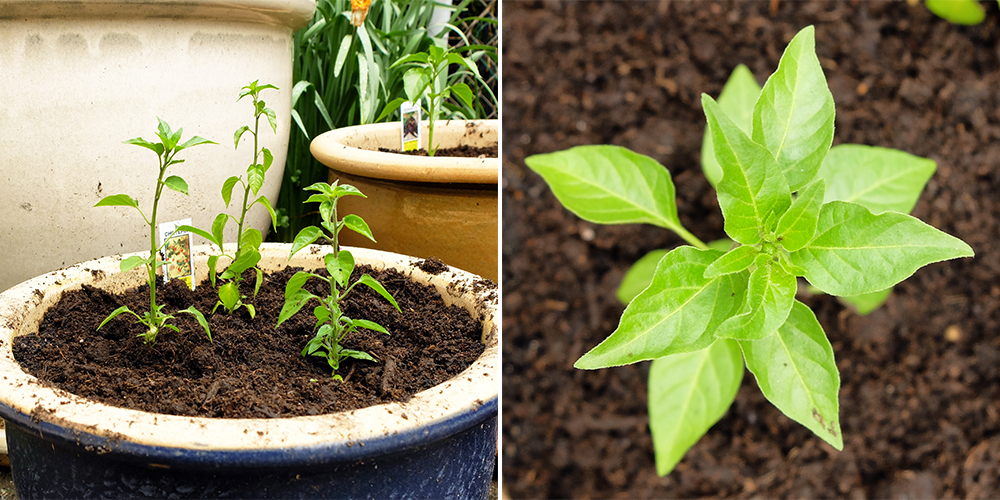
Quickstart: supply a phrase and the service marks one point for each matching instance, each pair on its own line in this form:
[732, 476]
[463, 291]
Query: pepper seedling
[248, 242]
[331, 324]
[170, 144]
[793, 207]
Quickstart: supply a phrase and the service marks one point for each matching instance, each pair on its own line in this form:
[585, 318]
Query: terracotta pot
[439, 444]
[78, 77]
[426, 207]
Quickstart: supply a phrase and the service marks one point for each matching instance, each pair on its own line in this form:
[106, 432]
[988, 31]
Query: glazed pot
[422, 206]
[439, 444]
[78, 77]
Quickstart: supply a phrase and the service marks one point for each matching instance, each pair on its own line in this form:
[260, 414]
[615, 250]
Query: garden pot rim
[335, 150]
[457, 403]
[293, 14]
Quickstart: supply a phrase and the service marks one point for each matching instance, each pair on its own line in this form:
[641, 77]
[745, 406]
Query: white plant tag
[176, 252]
[410, 126]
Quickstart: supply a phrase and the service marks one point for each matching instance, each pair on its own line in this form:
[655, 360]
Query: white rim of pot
[467, 392]
[336, 149]
[293, 14]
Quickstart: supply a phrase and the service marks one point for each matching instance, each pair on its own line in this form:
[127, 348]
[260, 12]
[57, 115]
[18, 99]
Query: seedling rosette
[793, 207]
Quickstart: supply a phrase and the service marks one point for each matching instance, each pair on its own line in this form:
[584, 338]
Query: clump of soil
[252, 369]
[462, 151]
[432, 265]
[920, 377]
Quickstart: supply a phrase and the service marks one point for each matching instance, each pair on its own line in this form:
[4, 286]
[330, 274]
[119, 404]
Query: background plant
[170, 144]
[343, 78]
[707, 311]
[331, 323]
[967, 12]
[247, 253]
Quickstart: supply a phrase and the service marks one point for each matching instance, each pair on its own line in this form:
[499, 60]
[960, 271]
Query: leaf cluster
[793, 207]
[166, 150]
[331, 323]
[247, 254]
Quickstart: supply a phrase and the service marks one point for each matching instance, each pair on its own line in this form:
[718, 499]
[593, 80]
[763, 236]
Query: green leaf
[677, 313]
[390, 107]
[256, 285]
[371, 325]
[351, 353]
[132, 262]
[268, 158]
[116, 312]
[305, 237]
[297, 281]
[688, 394]
[856, 252]
[358, 225]
[415, 83]
[255, 177]
[734, 261]
[251, 238]
[239, 133]
[270, 210]
[798, 225]
[610, 185]
[753, 186]
[463, 92]
[639, 276]
[229, 294]
[199, 232]
[194, 141]
[219, 227]
[769, 298]
[118, 200]
[177, 184]
[227, 189]
[154, 147]
[736, 100]
[251, 310]
[213, 261]
[796, 372]
[340, 267]
[345, 45]
[867, 302]
[293, 304]
[200, 318]
[375, 285]
[272, 119]
[878, 179]
[321, 313]
[967, 12]
[793, 117]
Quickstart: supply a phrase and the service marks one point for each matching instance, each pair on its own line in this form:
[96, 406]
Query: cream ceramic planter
[77, 77]
[427, 207]
[439, 444]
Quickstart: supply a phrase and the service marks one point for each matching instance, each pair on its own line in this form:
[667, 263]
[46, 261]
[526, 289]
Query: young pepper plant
[331, 323]
[708, 310]
[247, 254]
[170, 144]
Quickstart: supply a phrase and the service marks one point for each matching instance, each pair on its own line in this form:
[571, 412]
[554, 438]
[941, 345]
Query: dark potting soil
[920, 393]
[462, 151]
[251, 369]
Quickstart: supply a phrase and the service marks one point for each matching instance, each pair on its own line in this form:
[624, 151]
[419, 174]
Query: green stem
[164, 161]
[690, 238]
[246, 190]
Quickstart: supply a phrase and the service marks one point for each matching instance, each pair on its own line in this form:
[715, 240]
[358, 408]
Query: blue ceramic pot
[440, 444]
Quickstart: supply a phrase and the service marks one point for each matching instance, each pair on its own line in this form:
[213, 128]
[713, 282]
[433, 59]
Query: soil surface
[462, 151]
[920, 394]
[251, 369]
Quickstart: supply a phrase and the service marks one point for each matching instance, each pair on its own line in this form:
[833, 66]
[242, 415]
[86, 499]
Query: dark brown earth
[462, 151]
[920, 396]
[252, 369]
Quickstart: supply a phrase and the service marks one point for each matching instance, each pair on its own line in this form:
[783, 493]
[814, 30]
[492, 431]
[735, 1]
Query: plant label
[410, 126]
[175, 250]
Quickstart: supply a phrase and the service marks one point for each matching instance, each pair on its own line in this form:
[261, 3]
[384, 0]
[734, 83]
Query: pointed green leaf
[229, 294]
[358, 225]
[219, 227]
[177, 184]
[371, 325]
[351, 353]
[737, 99]
[268, 158]
[305, 237]
[797, 373]
[297, 281]
[227, 189]
[463, 92]
[132, 262]
[118, 200]
[798, 225]
[200, 318]
[733, 261]
[390, 107]
[293, 304]
[272, 119]
[340, 267]
[793, 117]
[116, 312]
[251, 238]
[865, 303]
[345, 46]
[967, 12]
[375, 285]
[199, 232]
[213, 261]
[752, 186]
[194, 141]
[256, 285]
[270, 210]
[239, 133]
[878, 179]
[255, 177]
[138, 141]
[688, 394]
[639, 276]
[610, 185]
[770, 294]
[856, 252]
[676, 313]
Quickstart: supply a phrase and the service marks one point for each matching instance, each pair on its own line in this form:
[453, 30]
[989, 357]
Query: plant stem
[690, 238]
[164, 161]
[246, 190]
